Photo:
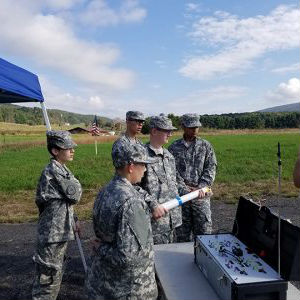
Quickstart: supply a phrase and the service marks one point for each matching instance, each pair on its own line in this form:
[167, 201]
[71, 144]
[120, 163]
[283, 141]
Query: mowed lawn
[247, 165]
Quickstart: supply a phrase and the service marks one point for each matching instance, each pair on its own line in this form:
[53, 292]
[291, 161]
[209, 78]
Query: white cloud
[85, 101]
[210, 101]
[192, 7]
[291, 68]
[60, 4]
[64, 99]
[215, 100]
[238, 42]
[89, 101]
[285, 92]
[162, 64]
[98, 13]
[49, 41]
[156, 86]
[96, 102]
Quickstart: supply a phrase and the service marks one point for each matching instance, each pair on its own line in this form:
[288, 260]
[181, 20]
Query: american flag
[95, 127]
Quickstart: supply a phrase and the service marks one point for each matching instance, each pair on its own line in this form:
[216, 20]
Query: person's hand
[192, 188]
[95, 243]
[77, 228]
[158, 212]
[201, 194]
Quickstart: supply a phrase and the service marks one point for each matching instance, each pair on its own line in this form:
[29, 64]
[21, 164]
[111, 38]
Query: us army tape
[185, 198]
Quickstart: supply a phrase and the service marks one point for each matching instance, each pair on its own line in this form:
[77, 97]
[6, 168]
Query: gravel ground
[17, 246]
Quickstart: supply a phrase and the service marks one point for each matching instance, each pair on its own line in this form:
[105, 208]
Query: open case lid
[257, 227]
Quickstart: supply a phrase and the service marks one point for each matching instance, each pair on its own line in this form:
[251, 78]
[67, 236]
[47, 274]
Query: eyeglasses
[164, 130]
[137, 121]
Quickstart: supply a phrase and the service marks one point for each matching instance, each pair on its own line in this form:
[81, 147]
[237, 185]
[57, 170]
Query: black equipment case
[243, 265]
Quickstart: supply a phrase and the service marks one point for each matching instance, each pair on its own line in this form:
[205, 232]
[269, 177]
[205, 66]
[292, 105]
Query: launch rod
[185, 198]
[278, 204]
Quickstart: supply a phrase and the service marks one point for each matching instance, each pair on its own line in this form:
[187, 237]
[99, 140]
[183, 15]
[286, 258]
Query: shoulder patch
[71, 189]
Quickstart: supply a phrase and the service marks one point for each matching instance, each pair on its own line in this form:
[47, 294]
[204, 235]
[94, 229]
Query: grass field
[247, 164]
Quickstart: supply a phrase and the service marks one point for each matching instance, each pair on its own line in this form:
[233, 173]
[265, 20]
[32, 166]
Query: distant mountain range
[33, 116]
[283, 108]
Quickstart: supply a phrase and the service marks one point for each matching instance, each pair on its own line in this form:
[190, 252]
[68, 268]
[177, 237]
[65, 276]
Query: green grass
[20, 169]
[241, 158]
[247, 164]
[12, 138]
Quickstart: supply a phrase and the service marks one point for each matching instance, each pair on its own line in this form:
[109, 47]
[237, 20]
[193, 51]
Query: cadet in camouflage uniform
[123, 265]
[58, 190]
[134, 124]
[160, 180]
[196, 164]
[135, 120]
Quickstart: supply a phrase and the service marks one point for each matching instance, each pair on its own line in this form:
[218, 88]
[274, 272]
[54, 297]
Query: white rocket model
[185, 198]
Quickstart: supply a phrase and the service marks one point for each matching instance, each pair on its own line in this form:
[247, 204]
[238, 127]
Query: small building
[78, 130]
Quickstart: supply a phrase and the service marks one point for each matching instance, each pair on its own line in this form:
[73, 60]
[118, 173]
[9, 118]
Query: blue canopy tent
[19, 85]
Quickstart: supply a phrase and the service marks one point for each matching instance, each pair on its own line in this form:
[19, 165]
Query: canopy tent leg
[45, 116]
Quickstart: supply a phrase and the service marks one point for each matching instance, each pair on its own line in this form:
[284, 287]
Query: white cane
[79, 247]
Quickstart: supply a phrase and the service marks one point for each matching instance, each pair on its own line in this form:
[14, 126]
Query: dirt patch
[18, 240]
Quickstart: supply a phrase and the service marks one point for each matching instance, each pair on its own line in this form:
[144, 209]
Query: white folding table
[181, 279]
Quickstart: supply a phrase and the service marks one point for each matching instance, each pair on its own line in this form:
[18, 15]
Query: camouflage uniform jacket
[195, 163]
[124, 140]
[124, 263]
[160, 182]
[56, 193]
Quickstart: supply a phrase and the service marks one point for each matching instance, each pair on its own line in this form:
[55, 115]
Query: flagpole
[96, 146]
[95, 132]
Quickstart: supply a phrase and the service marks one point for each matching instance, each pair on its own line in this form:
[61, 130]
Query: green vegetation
[21, 168]
[243, 158]
[34, 116]
[247, 164]
[255, 120]
[252, 120]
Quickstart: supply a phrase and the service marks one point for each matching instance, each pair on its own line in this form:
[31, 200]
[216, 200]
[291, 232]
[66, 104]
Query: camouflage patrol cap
[135, 115]
[190, 120]
[60, 138]
[161, 122]
[131, 153]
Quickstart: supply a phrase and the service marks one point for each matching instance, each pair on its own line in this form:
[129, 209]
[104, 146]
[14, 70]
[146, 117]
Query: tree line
[34, 116]
[255, 120]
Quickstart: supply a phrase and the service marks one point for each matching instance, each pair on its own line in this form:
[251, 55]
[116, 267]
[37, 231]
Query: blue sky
[105, 57]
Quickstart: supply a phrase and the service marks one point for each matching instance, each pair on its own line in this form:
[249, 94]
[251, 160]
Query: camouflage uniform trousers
[92, 291]
[49, 260]
[196, 219]
[165, 238]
